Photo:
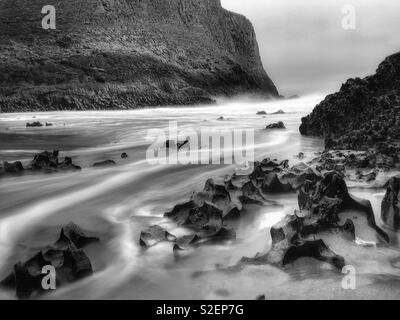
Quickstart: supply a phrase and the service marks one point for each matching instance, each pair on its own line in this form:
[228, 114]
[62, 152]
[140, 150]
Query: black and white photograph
[199, 150]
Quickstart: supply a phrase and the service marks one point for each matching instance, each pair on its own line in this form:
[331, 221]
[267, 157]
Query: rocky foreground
[327, 225]
[327, 214]
[363, 116]
[126, 54]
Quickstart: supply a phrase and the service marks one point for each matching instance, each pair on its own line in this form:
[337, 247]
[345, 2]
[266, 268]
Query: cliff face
[118, 54]
[364, 114]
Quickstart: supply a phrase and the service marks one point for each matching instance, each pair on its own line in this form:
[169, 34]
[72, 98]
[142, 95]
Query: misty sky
[304, 48]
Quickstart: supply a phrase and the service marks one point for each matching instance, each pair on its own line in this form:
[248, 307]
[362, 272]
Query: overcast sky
[304, 47]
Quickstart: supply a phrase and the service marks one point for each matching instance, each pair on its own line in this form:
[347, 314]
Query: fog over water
[304, 47]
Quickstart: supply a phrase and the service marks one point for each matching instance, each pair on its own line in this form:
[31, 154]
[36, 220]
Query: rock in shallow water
[44, 162]
[65, 255]
[278, 125]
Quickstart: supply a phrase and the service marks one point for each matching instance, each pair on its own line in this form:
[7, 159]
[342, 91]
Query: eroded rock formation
[323, 206]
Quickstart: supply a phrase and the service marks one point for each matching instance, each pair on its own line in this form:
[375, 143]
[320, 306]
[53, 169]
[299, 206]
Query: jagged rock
[278, 125]
[48, 162]
[302, 233]
[205, 217]
[390, 208]
[273, 184]
[65, 255]
[363, 116]
[76, 235]
[106, 163]
[184, 242]
[314, 249]
[153, 235]
[49, 124]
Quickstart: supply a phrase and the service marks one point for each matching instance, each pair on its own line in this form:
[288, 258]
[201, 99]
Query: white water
[118, 202]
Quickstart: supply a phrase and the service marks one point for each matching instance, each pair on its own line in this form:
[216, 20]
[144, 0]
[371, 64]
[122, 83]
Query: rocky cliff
[121, 54]
[364, 114]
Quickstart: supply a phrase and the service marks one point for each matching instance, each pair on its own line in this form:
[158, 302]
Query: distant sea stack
[123, 54]
[364, 114]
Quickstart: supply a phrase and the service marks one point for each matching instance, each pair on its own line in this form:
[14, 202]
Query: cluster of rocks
[65, 255]
[264, 113]
[48, 162]
[38, 124]
[45, 162]
[363, 116]
[363, 166]
[321, 205]
[325, 209]
[209, 212]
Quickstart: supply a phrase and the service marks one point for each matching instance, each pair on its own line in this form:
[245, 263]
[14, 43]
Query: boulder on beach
[278, 125]
[65, 255]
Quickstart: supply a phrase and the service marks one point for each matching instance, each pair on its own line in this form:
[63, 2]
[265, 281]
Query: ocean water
[116, 203]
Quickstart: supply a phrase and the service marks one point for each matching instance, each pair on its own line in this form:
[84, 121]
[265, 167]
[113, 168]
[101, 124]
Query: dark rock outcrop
[278, 125]
[126, 54]
[390, 210]
[44, 162]
[65, 255]
[364, 114]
